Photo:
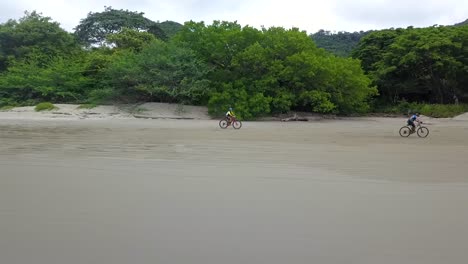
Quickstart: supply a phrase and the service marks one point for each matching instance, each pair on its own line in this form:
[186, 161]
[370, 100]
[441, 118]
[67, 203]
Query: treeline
[122, 56]
[118, 55]
[427, 65]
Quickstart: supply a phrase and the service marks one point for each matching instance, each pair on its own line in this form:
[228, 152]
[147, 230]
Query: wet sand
[166, 191]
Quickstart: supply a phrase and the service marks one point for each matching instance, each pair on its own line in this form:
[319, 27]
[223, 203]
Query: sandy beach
[118, 189]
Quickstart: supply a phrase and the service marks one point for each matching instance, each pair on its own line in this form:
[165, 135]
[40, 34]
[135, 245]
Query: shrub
[318, 101]
[46, 106]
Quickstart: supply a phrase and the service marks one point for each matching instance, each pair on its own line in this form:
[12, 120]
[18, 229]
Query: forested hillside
[462, 23]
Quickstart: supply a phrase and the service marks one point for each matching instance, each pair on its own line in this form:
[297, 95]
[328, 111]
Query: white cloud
[306, 15]
[402, 13]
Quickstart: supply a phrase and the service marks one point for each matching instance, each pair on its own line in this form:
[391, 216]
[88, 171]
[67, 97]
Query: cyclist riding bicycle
[229, 115]
[412, 119]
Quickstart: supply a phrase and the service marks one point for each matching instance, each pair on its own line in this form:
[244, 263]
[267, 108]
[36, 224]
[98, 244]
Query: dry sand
[74, 112]
[184, 191]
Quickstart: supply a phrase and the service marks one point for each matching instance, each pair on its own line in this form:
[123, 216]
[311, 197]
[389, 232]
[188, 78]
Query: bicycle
[421, 131]
[224, 123]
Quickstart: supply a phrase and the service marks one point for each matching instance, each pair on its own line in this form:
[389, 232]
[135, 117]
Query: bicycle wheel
[237, 124]
[223, 123]
[405, 131]
[423, 132]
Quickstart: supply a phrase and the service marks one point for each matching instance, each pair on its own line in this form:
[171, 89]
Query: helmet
[230, 108]
[417, 114]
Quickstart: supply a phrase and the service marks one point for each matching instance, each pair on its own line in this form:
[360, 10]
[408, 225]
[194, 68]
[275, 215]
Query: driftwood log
[294, 118]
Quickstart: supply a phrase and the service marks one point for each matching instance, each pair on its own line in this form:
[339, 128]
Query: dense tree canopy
[275, 70]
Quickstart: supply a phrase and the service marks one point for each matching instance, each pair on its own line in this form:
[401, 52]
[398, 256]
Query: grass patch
[46, 106]
[7, 107]
[87, 106]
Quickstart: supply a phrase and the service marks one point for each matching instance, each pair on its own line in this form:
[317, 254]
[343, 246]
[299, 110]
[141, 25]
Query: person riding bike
[230, 115]
[412, 119]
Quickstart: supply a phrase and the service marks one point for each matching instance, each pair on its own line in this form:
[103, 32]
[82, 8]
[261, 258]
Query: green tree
[95, 28]
[372, 47]
[218, 43]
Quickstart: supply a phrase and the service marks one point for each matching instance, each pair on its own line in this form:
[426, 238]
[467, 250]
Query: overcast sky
[334, 15]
